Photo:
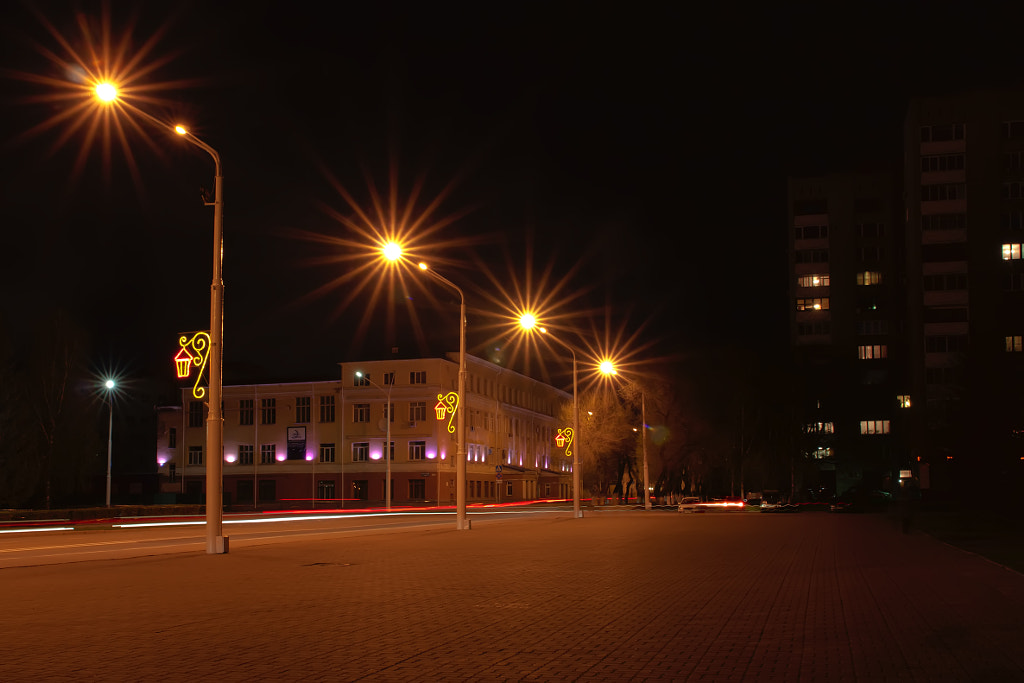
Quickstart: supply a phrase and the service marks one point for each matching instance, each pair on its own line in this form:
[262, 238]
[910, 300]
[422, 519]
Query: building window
[903, 400]
[418, 377]
[327, 409]
[942, 162]
[874, 426]
[1013, 190]
[869, 277]
[944, 282]
[813, 329]
[389, 378]
[389, 412]
[245, 454]
[418, 411]
[944, 192]
[819, 428]
[327, 452]
[870, 254]
[417, 450]
[172, 438]
[325, 489]
[812, 280]
[944, 253]
[360, 451]
[1013, 129]
[1013, 220]
[302, 409]
[811, 255]
[1013, 282]
[944, 132]
[245, 411]
[1011, 252]
[816, 304]
[195, 455]
[360, 412]
[195, 414]
[1013, 343]
[870, 230]
[268, 454]
[872, 351]
[945, 314]
[811, 232]
[821, 452]
[810, 207]
[268, 411]
[872, 327]
[417, 489]
[361, 380]
[946, 343]
[944, 221]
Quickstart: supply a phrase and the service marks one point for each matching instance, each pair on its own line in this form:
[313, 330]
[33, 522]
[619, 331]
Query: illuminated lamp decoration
[564, 438]
[446, 406]
[192, 355]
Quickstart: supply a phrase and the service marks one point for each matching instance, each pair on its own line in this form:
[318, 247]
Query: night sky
[643, 152]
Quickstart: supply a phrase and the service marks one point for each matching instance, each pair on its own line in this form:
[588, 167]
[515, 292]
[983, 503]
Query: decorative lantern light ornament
[564, 438]
[192, 355]
[446, 406]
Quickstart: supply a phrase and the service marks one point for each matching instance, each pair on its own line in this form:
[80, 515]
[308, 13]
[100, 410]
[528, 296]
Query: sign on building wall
[297, 443]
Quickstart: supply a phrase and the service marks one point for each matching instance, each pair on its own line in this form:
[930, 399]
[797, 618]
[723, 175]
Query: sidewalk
[615, 596]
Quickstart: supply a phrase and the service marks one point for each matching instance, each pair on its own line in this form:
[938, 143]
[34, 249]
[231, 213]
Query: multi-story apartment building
[846, 309]
[964, 188]
[324, 443]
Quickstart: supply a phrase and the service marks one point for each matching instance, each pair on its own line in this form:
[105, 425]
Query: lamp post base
[218, 547]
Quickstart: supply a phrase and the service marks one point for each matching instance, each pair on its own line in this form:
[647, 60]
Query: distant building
[322, 443]
[846, 312]
[907, 303]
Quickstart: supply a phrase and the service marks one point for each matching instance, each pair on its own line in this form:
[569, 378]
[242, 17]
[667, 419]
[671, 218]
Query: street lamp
[216, 542]
[387, 455]
[528, 322]
[392, 251]
[110, 384]
[607, 368]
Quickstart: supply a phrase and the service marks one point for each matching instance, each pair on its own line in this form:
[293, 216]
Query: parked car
[690, 504]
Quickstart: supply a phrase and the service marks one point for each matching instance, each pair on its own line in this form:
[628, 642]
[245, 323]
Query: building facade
[324, 443]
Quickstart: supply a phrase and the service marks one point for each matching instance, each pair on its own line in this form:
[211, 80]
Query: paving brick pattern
[616, 596]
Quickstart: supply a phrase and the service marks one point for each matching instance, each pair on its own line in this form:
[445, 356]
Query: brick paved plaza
[616, 596]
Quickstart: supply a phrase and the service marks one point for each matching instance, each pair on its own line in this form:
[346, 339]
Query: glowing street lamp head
[181, 130]
[527, 321]
[106, 92]
[392, 251]
[608, 368]
[109, 384]
[423, 266]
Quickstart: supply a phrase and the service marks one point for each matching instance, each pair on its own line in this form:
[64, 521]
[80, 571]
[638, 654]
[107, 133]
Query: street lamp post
[461, 522]
[216, 542]
[387, 445]
[110, 384]
[607, 367]
[529, 322]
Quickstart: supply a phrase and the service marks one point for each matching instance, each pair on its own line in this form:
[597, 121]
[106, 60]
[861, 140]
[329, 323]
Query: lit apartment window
[874, 426]
[360, 451]
[1013, 344]
[245, 454]
[360, 412]
[812, 281]
[869, 277]
[816, 304]
[302, 409]
[903, 400]
[872, 351]
[195, 455]
[417, 450]
[268, 454]
[327, 409]
[819, 428]
[821, 452]
[327, 452]
[418, 377]
[1011, 252]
